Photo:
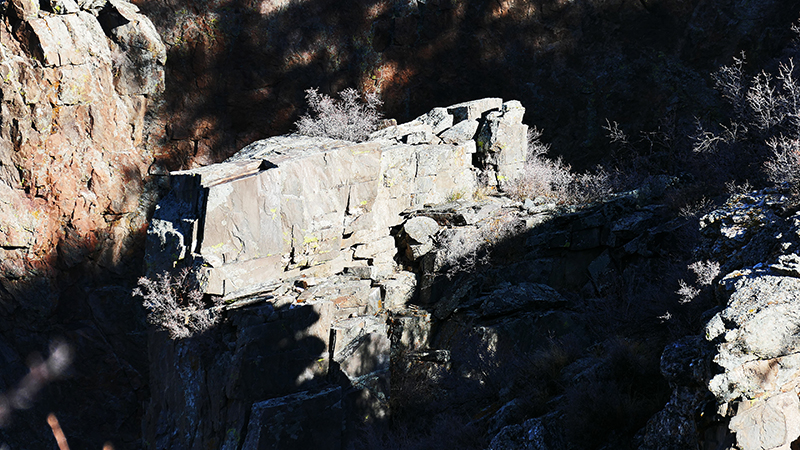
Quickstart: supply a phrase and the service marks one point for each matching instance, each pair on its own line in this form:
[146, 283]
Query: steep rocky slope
[74, 195]
[85, 138]
[403, 316]
[375, 290]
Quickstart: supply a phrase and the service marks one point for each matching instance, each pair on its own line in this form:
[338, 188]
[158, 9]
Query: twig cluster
[352, 117]
[174, 303]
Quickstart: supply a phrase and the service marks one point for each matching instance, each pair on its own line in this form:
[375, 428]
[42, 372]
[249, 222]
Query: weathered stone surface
[268, 226]
[411, 133]
[758, 322]
[747, 340]
[416, 236]
[513, 298]
[399, 290]
[438, 118]
[675, 427]
[25, 9]
[373, 249]
[508, 414]
[420, 229]
[141, 72]
[311, 419]
[502, 140]
[367, 354]
[745, 228]
[311, 204]
[770, 424]
[350, 296]
[277, 357]
[461, 132]
[93, 6]
[473, 110]
[788, 265]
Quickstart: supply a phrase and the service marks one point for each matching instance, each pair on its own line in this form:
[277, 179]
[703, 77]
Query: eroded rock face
[294, 233]
[293, 205]
[746, 363]
[77, 80]
[379, 278]
[72, 168]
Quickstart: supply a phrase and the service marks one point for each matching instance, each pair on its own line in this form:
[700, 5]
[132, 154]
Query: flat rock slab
[310, 419]
[768, 425]
[513, 298]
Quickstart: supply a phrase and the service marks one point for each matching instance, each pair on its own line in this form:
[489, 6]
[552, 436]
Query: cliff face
[238, 68]
[85, 135]
[359, 281]
[367, 291]
[76, 84]
[73, 166]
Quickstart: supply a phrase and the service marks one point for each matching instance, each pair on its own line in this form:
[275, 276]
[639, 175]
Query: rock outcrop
[290, 206]
[76, 83]
[294, 234]
[745, 366]
[347, 271]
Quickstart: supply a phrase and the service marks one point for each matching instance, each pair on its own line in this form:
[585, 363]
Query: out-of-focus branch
[41, 373]
[60, 438]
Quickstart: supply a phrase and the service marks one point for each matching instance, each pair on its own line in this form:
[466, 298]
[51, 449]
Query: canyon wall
[93, 117]
[77, 80]
[349, 275]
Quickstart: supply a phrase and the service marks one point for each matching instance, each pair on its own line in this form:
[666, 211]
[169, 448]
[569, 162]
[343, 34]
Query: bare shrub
[352, 117]
[729, 81]
[767, 110]
[687, 292]
[553, 180]
[706, 141]
[615, 134]
[174, 303]
[733, 188]
[705, 272]
[784, 165]
[542, 177]
[697, 208]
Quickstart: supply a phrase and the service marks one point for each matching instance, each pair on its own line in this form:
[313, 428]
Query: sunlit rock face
[76, 85]
[77, 81]
[293, 205]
